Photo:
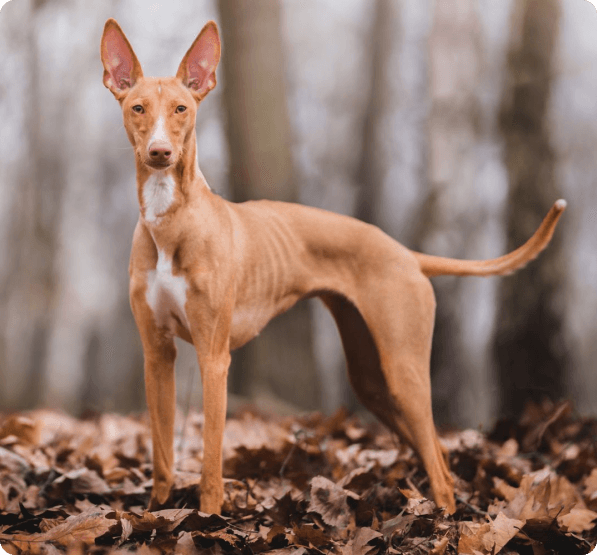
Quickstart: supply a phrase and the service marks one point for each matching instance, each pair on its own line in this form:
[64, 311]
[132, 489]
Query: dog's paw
[157, 502]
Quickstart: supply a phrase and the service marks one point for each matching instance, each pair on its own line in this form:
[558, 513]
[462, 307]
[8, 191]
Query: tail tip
[561, 204]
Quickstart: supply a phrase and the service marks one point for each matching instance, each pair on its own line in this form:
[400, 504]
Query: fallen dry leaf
[21, 427]
[84, 527]
[330, 501]
[590, 488]
[366, 542]
[471, 539]
[578, 520]
[440, 546]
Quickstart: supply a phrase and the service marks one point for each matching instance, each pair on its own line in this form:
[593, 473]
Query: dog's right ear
[121, 67]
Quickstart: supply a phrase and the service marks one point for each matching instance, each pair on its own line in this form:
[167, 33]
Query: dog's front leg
[214, 373]
[210, 317]
[159, 353]
[160, 391]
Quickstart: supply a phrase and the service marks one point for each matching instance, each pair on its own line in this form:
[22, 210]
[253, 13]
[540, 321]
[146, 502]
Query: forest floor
[300, 485]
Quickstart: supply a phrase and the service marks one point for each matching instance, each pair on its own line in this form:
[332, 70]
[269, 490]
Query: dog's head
[159, 113]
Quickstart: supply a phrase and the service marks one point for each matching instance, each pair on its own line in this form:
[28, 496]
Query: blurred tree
[29, 288]
[370, 169]
[280, 361]
[449, 216]
[529, 341]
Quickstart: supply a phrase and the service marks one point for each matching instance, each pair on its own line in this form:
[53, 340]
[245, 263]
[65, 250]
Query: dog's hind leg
[388, 365]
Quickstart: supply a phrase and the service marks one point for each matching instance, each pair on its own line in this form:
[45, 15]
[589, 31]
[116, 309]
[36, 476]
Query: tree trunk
[529, 341]
[29, 285]
[280, 362]
[450, 218]
[370, 169]
[370, 174]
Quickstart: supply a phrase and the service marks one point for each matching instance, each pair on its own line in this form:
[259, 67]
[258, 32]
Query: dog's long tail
[438, 266]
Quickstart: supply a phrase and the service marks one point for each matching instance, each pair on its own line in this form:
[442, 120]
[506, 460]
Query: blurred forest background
[451, 124]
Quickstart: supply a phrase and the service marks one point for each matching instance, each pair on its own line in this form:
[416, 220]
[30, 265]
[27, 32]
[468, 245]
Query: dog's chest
[158, 195]
[167, 294]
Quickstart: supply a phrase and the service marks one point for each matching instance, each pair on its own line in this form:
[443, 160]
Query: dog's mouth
[158, 165]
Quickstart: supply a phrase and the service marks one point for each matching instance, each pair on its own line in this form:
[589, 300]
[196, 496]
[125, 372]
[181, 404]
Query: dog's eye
[180, 109]
[139, 109]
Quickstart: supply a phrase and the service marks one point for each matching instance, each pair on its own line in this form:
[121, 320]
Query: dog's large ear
[121, 67]
[198, 67]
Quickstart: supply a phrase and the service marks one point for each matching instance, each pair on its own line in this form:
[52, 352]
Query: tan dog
[215, 273]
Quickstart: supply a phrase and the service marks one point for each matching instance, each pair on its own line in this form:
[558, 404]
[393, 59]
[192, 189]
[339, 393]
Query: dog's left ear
[121, 67]
[198, 67]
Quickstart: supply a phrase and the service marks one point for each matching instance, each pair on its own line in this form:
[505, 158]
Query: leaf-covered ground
[297, 486]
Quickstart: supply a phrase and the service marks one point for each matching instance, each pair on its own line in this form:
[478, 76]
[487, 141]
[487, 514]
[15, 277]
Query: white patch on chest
[167, 294]
[158, 195]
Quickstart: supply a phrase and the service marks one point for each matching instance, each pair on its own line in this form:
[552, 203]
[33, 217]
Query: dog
[214, 273]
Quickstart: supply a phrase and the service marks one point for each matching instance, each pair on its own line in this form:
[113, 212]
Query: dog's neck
[161, 193]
